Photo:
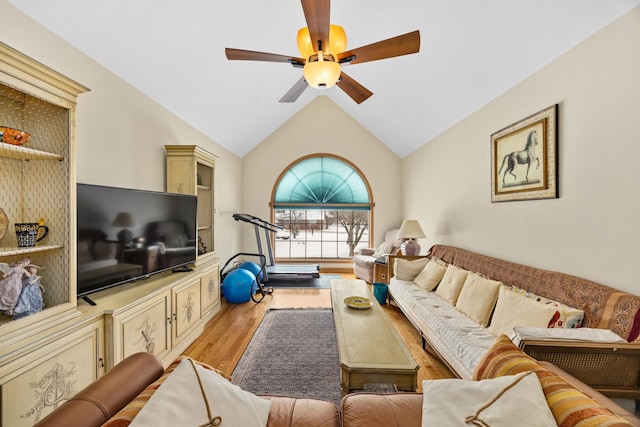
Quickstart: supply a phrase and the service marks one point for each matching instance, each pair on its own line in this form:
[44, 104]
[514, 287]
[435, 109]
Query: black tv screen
[126, 234]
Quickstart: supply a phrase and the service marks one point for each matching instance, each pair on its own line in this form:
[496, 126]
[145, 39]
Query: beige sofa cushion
[408, 269]
[515, 309]
[478, 297]
[451, 283]
[431, 275]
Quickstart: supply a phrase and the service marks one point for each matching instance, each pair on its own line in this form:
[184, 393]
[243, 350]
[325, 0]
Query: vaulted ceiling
[471, 52]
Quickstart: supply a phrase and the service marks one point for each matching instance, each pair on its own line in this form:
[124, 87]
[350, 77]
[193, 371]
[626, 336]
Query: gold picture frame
[524, 159]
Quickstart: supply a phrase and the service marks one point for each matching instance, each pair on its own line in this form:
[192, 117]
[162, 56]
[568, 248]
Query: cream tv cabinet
[191, 170]
[48, 356]
[162, 315]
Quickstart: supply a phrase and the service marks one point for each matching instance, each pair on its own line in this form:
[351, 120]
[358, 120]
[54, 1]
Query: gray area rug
[294, 352]
[322, 282]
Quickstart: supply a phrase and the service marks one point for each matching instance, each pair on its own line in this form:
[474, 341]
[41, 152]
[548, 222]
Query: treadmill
[273, 270]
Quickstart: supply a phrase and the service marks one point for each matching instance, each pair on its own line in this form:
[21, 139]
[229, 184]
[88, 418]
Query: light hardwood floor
[227, 335]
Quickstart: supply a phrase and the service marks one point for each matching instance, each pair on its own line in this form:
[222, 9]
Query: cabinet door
[143, 328]
[45, 378]
[210, 285]
[186, 309]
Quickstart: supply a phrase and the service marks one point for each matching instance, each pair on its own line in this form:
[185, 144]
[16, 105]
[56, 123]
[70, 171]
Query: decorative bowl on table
[14, 136]
[359, 303]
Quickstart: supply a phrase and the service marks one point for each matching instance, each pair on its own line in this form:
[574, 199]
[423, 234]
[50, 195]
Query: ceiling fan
[323, 50]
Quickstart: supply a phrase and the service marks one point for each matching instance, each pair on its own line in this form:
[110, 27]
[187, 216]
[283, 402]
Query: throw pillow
[569, 406]
[478, 297]
[430, 275]
[451, 283]
[183, 397]
[383, 249]
[408, 269]
[564, 317]
[499, 402]
[515, 309]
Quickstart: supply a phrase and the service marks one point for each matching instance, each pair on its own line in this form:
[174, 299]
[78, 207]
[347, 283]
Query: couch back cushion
[452, 283]
[515, 309]
[569, 406]
[603, 307]
[478, 298]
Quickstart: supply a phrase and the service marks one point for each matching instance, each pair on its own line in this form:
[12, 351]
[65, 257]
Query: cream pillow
[408, 269]
[430, 275]
[179, 401]
[383, 249]
[500, 402]
[451, 283]
[478, 297]
[515, 309]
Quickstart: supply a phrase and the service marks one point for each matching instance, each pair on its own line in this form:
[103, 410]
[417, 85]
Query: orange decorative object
[14, 136]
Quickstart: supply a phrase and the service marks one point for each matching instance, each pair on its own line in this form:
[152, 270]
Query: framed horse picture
[524, 159]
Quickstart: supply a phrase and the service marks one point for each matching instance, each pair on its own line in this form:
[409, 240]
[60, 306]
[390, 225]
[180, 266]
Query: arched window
[324, 204]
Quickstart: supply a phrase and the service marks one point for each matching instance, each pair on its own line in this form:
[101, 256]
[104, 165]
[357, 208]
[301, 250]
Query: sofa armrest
[610, 368]
[302, 412]
[594, 394]
[103, 398]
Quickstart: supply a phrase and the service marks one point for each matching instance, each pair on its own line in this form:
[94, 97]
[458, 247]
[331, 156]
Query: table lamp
[410, 230]
[126, 221]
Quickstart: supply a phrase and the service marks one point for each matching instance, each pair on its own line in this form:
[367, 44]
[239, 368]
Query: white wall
[592, 230]
[121, 133]
[322, 127]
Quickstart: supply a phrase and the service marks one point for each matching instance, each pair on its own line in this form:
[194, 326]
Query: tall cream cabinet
[46, 356]
[191, 170]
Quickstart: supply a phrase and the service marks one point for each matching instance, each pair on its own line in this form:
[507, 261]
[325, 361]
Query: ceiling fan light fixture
[321, 74]
[337, 41]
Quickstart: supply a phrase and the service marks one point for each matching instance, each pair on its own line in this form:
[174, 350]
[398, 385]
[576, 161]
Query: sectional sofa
[459, 335]
[116, 398]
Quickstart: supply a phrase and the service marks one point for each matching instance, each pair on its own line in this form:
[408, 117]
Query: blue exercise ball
[252, 267]
[239, 285]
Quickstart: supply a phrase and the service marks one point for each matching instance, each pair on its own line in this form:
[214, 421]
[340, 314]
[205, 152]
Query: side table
[381, 272]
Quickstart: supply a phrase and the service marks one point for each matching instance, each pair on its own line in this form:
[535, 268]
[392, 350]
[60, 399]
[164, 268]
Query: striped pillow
[126, 414]
[569, 406]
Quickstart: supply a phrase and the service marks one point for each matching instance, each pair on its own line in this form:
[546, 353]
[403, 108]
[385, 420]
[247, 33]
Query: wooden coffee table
[371, 350]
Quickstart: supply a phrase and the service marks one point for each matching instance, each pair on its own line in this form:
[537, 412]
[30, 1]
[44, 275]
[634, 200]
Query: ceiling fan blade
[317, 14]
[395, 46]
[355, 90]
[293, 93]
[250, 55]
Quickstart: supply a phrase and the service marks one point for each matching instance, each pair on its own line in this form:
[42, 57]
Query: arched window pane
[323, 203]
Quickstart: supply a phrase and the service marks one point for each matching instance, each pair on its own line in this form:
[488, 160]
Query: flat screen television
[124, 235]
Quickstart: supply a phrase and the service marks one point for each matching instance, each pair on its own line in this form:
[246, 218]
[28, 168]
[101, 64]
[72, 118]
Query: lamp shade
[321, 74]
[124, 219]
[337, 42]
[411, 229]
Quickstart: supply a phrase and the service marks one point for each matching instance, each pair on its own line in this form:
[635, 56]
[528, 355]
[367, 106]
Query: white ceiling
[471, 52]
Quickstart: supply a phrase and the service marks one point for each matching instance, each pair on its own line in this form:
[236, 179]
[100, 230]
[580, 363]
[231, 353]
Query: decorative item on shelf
[27, 233]
[4, 223]
[202, 249]
[20, 289]
[409, 231]
[358, 303]
[124, 220]
[14, 136]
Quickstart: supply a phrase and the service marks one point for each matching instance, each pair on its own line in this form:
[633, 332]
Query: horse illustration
[524, 157]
